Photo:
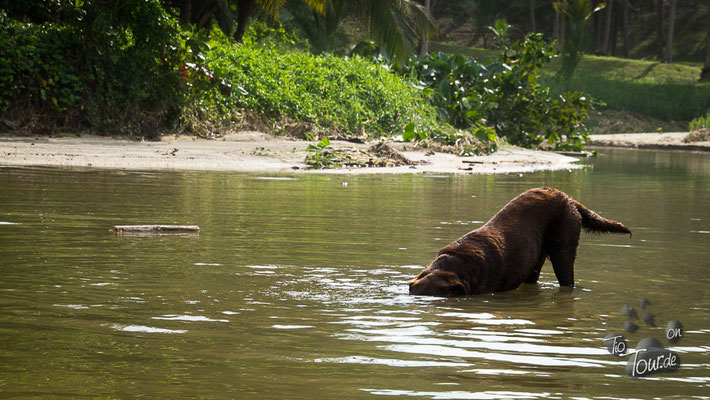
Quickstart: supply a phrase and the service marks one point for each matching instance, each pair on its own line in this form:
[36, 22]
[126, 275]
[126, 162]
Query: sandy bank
[651, 141]
[248, 152]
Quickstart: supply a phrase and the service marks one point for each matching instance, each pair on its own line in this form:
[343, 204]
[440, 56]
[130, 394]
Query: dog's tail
[593, 222]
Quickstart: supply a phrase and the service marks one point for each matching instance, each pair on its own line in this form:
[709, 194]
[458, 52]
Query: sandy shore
[248, 152]
[259, 152]
[650, 141]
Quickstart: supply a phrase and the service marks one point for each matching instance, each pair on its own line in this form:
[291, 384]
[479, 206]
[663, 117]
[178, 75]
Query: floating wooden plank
[119, 229]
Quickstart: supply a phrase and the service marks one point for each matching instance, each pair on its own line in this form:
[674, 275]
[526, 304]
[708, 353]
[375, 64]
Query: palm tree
[319, 28]
[398, 26]
[201, 12]
[576, 16]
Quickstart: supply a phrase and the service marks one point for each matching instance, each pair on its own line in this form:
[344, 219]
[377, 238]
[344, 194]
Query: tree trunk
[424, 48]
[563, 28]
[598, 23]
[246, 8]
[705, 73]
[604, 48]
[668, 55]
[625, 29]
[556, 28]
[661, 37]
[185, 12]
[531, 10]
[614, 38]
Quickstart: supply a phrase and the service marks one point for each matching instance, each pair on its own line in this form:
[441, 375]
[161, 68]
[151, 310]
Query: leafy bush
[105, 65]
[349, 95]
[702, 122]
[35, 62]
[131, 69]
[127, 67]
[505, 94]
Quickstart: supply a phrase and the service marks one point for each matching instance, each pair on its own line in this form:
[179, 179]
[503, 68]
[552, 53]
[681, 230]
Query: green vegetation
[109, 68]
[351, 96]
[637, 95]
[699, 129]
[148, 75]
[505, 94]
[702, 122]
[576, 14]
[140, 73]
[321, 155]
[668, 92]
[146, 67]
[479, 54]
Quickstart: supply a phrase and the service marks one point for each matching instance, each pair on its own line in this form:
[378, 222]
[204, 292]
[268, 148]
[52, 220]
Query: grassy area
[678, 101]
[634, 70]
[642, 94]
[613, 121]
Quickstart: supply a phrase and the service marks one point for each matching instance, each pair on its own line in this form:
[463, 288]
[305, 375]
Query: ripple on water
[391, 362]
[547, 361]
[72, 306]
[289, 327]
[189, 318]
[458, 394]
[146, 329]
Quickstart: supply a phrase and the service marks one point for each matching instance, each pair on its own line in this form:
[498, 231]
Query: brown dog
[512, 247]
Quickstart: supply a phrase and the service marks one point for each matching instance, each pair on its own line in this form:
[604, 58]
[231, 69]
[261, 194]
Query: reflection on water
[296, 287]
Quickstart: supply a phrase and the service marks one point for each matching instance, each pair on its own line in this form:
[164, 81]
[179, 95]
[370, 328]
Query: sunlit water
[297, 288]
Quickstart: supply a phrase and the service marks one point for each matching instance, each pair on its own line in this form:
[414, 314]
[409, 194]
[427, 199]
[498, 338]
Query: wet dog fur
[512, 247]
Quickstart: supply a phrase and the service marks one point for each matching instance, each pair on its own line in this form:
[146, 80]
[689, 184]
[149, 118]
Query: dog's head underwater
[438, 283]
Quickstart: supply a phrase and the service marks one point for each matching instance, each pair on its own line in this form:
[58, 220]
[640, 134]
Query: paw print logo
[650, 356]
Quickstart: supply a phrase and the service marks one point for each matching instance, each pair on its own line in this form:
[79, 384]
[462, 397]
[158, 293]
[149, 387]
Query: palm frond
[397, 25]
[271, 7]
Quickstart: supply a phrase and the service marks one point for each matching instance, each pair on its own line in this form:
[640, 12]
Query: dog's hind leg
[561, 244]
[535, 273]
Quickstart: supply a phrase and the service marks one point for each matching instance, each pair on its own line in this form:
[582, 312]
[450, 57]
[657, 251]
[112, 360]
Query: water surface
[297, 288]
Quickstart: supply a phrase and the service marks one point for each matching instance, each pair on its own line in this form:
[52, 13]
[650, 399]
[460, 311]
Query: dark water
[297, 288]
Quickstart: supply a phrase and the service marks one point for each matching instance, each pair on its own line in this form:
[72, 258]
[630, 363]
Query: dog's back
[513, 245]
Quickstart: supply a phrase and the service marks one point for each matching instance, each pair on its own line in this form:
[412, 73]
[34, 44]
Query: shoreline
[648, 141]
[264, 153]
[252, 152]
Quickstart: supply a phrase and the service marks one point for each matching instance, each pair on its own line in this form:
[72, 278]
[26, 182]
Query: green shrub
[36, 61]
[129, 68]
[350, 95]
[121, 69]
[104, 66]
[505, 94]
[702, 122]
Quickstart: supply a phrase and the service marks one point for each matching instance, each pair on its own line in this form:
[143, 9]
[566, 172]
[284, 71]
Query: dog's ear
[425, 272]
[460, 288]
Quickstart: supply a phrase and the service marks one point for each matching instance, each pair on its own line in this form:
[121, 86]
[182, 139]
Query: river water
[296, 286]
